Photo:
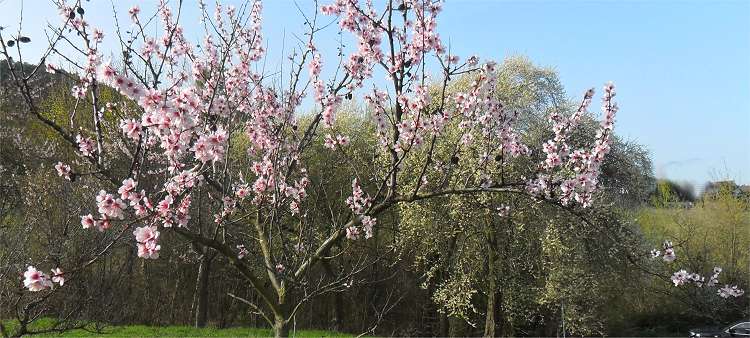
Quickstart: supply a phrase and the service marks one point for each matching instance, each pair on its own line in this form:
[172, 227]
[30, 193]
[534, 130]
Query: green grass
[168, 331]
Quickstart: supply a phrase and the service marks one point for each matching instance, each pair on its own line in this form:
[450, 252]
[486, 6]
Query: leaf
[24, 39]
[80, 10]
[10, 43]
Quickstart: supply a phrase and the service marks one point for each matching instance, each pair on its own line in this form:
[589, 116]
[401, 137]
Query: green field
[168, 331]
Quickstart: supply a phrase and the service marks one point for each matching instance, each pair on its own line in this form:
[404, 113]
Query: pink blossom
[131, 128]
[242, 251]
[109, 206]
[242, 192]
[368, 224]
[149, 250]
[103, 224]
[330, 142]
[58, 276]
[78, 92]
[133, 12]
[352, 233]
[357, 202]
[679, 277]
[145, 234]
[210, 147]
[730, 291]
[147, 238]
[98, 35]
[36, 280]
[342, 140]
[669, 254]
[85, 145]
[163, 208]
[127, 189]
[315, 66]
[88, 221]
[63, 170]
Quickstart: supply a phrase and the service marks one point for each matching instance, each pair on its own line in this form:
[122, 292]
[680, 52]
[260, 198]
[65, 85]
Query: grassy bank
[167, 331]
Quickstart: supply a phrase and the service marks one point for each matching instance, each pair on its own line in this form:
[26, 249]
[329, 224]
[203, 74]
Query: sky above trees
[682, 67]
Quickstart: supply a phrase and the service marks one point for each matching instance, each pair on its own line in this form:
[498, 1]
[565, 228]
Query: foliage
[712, 233]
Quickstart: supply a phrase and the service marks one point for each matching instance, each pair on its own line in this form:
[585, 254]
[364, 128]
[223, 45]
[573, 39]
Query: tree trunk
[201, 289]
[489, 323]
[280, 328]
[501, 319]
[338, 304]
[444, 324]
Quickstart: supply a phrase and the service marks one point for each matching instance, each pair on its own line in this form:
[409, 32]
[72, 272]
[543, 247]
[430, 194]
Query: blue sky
[682, 67]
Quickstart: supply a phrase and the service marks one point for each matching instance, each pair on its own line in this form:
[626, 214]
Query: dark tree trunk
[280, 327]
[201, 289]
[502, 326]
[489, 323]
[338, 303]
[444, 324]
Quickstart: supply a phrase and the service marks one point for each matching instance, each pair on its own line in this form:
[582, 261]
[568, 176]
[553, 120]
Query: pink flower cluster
[35, 280]
[359, 203]
[109, 206]
[147, 238]
[242, 251]
[210, 147]
[85, 145]
[730, 291]
[584, 164]
[315, 67]
[424, 38]
[131, 128]
[331, 142]
[63, 170]
[485, 115]
[376, 103]
[668, 255]
[357, 20]
[296, 193]
[683, 277]
[368, 224]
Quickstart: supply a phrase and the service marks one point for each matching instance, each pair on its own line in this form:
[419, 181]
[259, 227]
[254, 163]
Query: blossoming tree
[206, 122]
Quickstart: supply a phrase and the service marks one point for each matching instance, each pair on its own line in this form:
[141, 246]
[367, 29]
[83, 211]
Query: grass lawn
[171, 331]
